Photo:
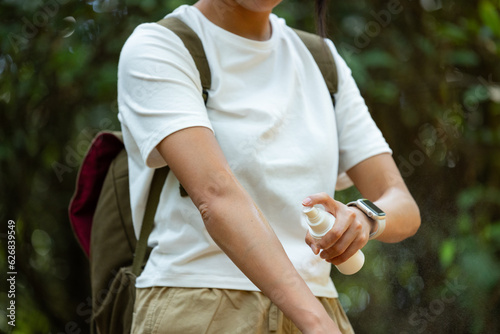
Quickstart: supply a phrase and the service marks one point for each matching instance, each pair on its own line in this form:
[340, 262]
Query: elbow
[214, 196]
[208, 213]
[219, 211]
[213, 210]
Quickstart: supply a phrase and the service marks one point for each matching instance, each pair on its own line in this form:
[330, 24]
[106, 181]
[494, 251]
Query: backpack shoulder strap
[193, 43]
[323, 57]
[157, 183]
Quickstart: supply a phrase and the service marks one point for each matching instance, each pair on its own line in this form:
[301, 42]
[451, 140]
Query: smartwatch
[373, 212]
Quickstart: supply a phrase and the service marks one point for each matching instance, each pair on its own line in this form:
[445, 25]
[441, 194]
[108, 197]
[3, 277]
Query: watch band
[380, 229]
[380, 221]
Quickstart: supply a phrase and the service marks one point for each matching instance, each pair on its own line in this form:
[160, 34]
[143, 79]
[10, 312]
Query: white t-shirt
[272, 115]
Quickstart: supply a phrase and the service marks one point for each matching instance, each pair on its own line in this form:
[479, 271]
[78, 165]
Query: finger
[352, 230]
[341, 246]
[359, 241]
[346, 255]
[343, 222]
[324, 199]
[311, 242]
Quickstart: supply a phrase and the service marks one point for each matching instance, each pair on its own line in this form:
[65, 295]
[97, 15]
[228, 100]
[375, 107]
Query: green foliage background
[429, 72]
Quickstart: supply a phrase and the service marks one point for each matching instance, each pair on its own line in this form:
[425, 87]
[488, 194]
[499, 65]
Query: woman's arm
[236, 224]
[379, 180]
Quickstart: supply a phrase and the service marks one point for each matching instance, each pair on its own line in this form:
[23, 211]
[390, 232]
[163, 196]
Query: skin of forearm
[378, 179]
[402, 215]
[236, 224]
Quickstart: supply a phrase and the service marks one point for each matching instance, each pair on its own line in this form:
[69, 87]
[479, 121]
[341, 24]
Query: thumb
[324, 199]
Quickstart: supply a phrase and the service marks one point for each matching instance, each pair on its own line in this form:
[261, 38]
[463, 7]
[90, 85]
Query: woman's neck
[231, 15]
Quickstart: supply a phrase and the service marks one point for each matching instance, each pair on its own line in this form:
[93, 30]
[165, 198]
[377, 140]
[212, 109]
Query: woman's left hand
[349, 233]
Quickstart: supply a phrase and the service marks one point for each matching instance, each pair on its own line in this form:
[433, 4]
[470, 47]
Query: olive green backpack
[100, 211]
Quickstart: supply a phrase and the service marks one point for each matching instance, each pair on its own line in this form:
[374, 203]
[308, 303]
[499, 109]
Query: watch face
[372, 207]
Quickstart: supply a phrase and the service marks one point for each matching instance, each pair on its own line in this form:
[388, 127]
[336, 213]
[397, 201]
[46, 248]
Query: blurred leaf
[489, 16]
[454, 33]
[463, 57]
[377, 59]
[481, 267]
[447, 253]
[469, 197]
[464, 223]
[386, 92]
[492, 232]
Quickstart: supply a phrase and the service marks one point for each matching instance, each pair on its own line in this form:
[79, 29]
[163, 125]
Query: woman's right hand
[349, 233]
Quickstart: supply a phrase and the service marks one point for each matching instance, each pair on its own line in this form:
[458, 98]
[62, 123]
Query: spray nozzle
[319, 221]
[312, 213]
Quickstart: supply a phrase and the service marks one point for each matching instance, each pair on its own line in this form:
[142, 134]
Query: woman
[231, 257]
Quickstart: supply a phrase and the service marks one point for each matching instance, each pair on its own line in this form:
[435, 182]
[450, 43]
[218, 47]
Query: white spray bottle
[320, 222]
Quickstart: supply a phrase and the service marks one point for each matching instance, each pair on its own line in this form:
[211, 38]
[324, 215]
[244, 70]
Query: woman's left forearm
[379, 180]
[402, 215]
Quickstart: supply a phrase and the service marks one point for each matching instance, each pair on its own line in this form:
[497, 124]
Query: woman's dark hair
[320, 15]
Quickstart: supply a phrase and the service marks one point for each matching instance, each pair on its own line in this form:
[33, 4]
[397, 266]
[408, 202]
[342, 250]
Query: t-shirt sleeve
[358, 135]
[159, 89]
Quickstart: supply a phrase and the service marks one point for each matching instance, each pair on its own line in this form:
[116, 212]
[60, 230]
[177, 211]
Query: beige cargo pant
[217, 311]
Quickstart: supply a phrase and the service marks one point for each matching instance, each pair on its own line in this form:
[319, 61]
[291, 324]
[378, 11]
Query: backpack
[100, 212]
